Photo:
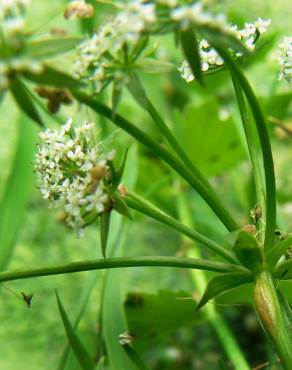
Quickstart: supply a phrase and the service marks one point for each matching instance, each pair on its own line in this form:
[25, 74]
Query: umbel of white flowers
[209, 56]
[285, 59]
[12, 24]
[74, 172]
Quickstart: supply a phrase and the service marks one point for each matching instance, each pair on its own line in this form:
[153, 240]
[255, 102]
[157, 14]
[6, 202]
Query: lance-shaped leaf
[14, 201]
[51, 46]
[278, 250]
[135, 357]
[52, 77]
[118, 174]
[80, 352]
[222, 283]
[24, 100]
[190, 47]
[104, 226]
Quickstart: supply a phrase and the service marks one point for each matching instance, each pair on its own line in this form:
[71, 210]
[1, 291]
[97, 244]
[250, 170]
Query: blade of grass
[80, 352]
[207, 194]
[23, 100]
[259, 119]
[83, 301]
[121, 262]
[140, 205]
[14, 201]
[252, 145]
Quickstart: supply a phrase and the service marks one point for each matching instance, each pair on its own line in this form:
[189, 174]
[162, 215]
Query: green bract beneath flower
[210, 59]
[12, 41]
[285, 59]
[74, 173]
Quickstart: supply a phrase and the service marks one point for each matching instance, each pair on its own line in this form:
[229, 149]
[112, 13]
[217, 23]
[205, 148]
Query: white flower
[210, 57]
[68, 164]
[285, 59]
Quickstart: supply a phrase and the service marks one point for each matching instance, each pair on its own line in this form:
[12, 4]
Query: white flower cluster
[12, 24]
[101, 57]
[73, 172]
[285, 59]
[209, 56]
[12, 16]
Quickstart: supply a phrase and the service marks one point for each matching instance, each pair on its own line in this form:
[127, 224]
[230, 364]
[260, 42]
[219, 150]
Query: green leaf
[14, 201]
[248, 251]
[263, 135]
[135, 358]
[137, 91]
[23, 100]
[104, 230]
[53, 77]
[118, 174]
[149, 65]
[51, 46]
[153, 318]
[190, 47]
[221, 148]
[221, 283]
[116, 97]
[278, 250]
[80, 352]
[87, 289]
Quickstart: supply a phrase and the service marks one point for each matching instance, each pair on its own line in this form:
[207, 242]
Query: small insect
[27, 298]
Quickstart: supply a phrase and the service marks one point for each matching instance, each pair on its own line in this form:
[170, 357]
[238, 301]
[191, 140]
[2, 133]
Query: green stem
[251, 144]
[207, 193]
[135, 357]
[139, 204]
[218, 323]
[270, 204]
[120, 262]
[273, 317]
[172, 140]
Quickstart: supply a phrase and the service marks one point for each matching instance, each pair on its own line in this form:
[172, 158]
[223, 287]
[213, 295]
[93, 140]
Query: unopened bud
[78, 9]
[97, 172]
[250, 229]
[123, 190]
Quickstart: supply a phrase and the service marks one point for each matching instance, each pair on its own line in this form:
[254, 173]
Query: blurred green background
[34, 338]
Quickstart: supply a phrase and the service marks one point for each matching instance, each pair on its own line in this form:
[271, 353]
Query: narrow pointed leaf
[19, 184]
[137, 91]
[270, 183]
[24, 101]
[80, 352]
[135, 357]
[52, 77]
[104, 230]
[190, 47]
[51, 46]
[278, 250]
[119, 173]
[222, 283]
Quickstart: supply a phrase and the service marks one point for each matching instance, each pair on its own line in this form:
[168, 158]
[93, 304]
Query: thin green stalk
[251, 144]
[218, 323]
[145, 207]
[265, 147]
[120, 262]
[207, 193]
[278, 250]
[172, 140]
